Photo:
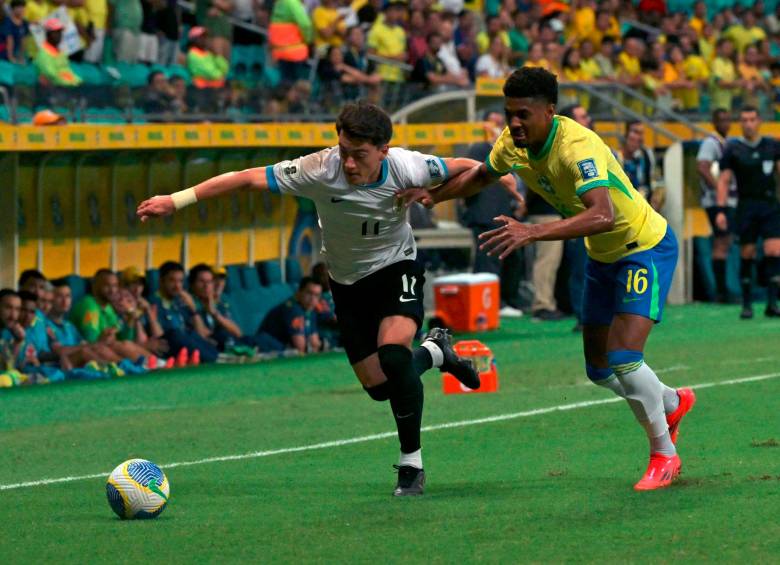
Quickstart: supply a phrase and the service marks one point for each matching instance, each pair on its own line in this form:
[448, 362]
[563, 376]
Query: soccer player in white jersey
[370, 251]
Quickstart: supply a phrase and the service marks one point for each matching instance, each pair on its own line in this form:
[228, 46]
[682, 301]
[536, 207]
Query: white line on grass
[372, 437]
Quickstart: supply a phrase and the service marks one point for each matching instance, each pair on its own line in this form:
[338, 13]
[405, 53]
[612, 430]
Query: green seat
[91, 74]
[132, 74]
[6, 73]
[26, 75]
[178, 70]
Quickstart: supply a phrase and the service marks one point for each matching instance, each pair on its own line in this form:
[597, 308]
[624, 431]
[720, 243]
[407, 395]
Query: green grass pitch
[552, 486]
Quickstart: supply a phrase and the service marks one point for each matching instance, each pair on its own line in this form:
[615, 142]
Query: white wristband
[184, 198]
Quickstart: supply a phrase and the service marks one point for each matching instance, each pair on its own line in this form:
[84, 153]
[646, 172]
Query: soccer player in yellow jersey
[632, 253]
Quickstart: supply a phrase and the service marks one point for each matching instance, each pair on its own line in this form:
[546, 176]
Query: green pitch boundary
[385, 435]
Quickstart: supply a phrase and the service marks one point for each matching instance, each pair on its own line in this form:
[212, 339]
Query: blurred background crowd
[155, 60]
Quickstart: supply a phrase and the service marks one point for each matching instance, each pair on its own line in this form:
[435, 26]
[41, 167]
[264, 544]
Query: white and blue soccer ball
[137, 489]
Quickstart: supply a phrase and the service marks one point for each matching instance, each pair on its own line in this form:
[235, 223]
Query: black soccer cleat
[746, 314]
[772, 312]
[411, 481]
[462, 369]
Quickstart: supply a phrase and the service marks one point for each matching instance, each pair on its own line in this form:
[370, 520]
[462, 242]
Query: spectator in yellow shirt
[536, 56]
[723, 79]
[754, 83]
[553, 55]
[606, 25]
[37, 10]
[707, 42]
[387, 39]
[695, 69]
[583, 21]
[629, 67]
[493, 26]
[699, 18]
[329, 25]
[587, 60]
[605, 58]
[573, 71]
[745, 33]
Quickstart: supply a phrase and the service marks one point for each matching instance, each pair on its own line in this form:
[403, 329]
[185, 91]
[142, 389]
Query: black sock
[746, 277]
[421, 360]
[406, 398]
[719, 269]
[773, 274]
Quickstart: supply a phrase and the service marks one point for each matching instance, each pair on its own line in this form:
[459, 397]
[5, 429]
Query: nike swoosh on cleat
[336, 200]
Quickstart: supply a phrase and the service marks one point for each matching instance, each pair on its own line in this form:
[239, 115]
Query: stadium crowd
[121, 325]
[309, 56]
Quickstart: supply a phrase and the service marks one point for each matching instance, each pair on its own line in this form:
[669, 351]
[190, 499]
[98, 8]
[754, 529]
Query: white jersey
[363, 227]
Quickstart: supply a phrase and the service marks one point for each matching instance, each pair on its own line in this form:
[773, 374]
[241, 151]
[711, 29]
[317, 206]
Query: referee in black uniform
[753, 160]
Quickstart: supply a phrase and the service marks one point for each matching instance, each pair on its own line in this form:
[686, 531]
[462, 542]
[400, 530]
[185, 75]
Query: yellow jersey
[573, 161]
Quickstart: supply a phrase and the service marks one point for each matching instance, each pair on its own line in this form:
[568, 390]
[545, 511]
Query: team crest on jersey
[767, 166]
[588, 169]
[434, 168]
[291, 169]
[544, 182]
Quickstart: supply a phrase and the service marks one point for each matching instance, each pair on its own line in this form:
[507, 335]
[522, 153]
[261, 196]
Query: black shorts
[395, 290]
[712, 214]
[756, 218]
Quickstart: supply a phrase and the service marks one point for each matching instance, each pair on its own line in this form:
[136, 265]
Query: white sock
[613, 384]
[671, 400]
[413, 459]
[436, 354]
[644, 393]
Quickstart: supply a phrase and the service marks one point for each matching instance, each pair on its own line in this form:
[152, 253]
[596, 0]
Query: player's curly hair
[532, 82]
[362, 121]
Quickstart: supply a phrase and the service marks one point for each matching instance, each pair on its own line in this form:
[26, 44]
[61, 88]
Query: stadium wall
[73, 191]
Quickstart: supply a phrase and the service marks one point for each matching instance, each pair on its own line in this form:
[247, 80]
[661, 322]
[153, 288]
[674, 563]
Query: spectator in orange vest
[208, 69]
[52, 64]
[289, 34]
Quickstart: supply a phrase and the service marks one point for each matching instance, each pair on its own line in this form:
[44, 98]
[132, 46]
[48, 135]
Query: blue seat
[152, 281]
[250, 277]
[270, 272]
[293, 271]
[233, 278]
[78, 286]
[6, 73]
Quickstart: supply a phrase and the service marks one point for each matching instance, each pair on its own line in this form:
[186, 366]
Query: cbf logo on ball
[137, 489]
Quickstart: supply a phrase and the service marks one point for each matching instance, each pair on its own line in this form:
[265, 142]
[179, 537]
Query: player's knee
[598, 374]
[380, 392]
[625, 361]
[395, 360]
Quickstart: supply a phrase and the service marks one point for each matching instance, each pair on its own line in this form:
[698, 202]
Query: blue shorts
[637, 284]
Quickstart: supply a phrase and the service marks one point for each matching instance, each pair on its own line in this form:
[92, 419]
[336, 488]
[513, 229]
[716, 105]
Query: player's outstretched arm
[598, 217]
[467, 177]
[165, 205]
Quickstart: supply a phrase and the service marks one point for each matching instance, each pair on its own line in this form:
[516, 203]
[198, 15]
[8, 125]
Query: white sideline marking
[672, 369]
[372, 437]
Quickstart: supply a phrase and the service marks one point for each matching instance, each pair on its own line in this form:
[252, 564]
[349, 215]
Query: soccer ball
[137, 489]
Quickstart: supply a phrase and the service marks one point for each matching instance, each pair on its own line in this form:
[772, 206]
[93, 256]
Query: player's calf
[380, 392]
[605, 377]
[645, 395]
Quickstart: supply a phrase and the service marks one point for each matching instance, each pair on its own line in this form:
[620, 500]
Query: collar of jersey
[382, 178]
[547, 144]
[751, 144]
